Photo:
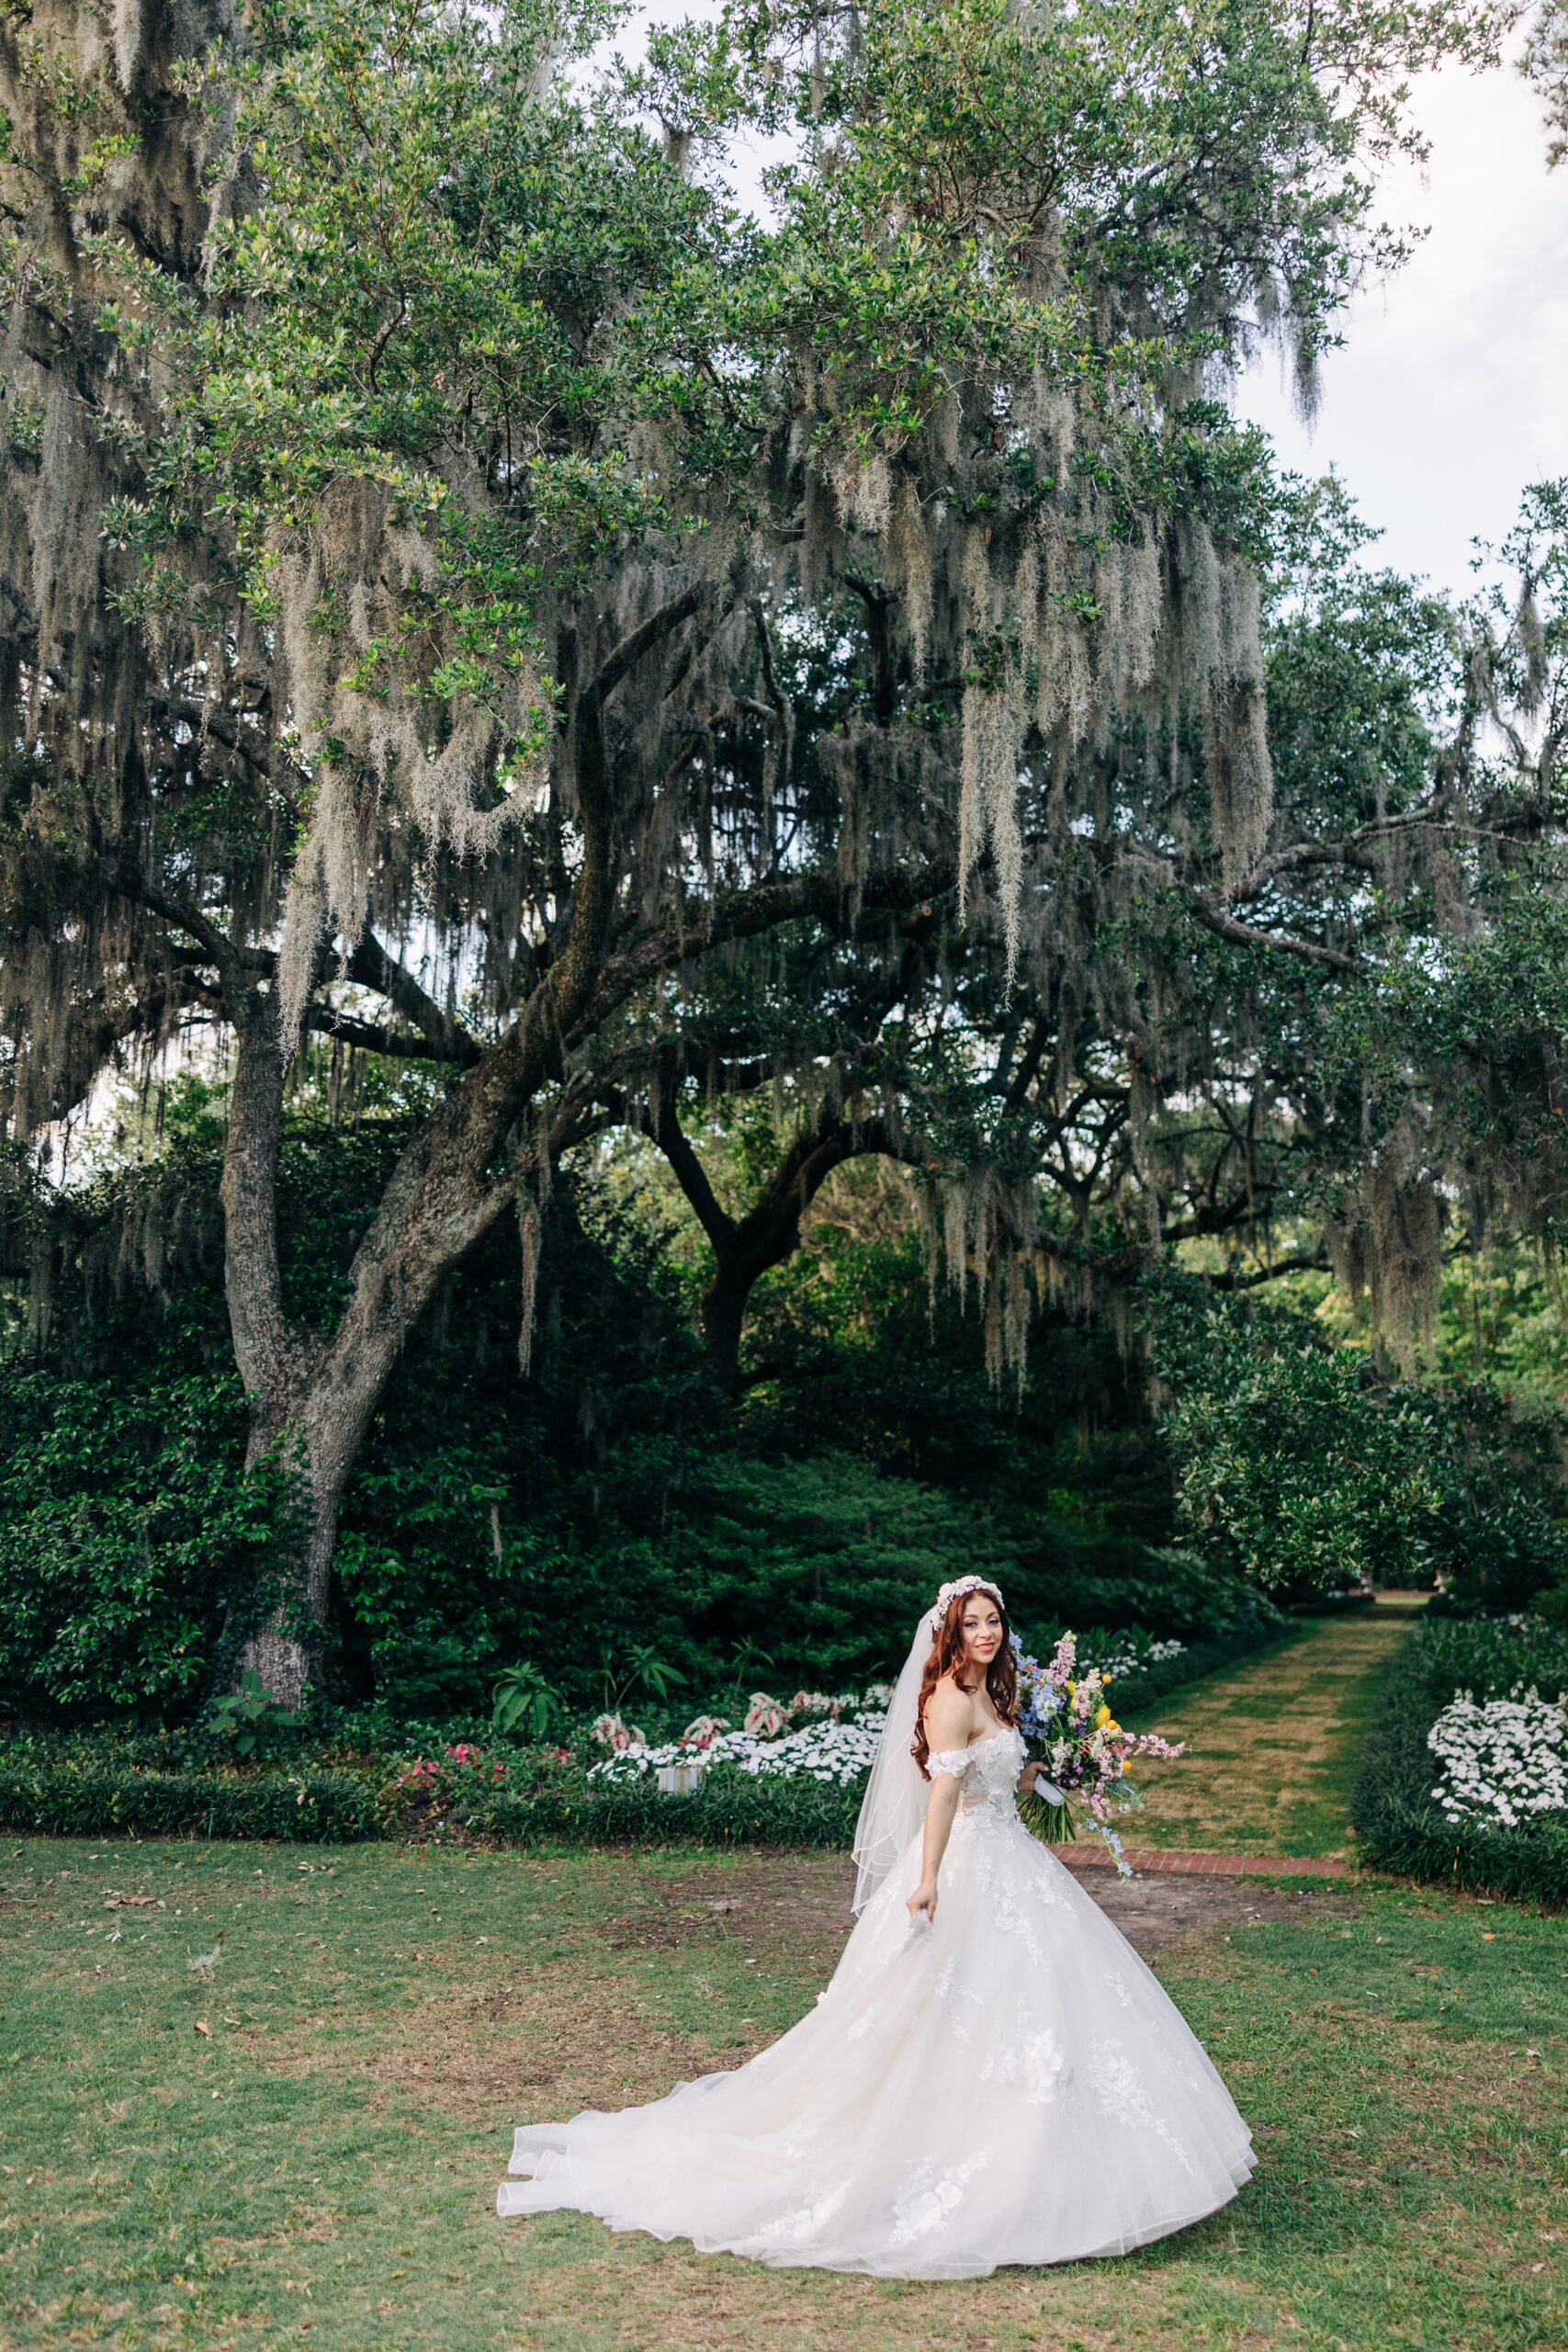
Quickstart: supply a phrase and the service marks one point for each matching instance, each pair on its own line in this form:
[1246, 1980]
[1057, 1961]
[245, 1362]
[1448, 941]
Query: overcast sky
[1450, 394]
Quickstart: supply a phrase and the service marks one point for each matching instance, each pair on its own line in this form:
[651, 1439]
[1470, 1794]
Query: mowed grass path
[269, 2108]
[1272, 1743]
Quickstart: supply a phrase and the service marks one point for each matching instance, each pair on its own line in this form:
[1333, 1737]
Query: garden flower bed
[790, 1772]
[1502, 1759]
[1465, 1776]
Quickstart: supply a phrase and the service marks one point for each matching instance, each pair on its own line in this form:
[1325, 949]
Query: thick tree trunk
[317, 1437]
[722, 1311]
[311, 1401]
[285, 1648]
[272, 1356]
[745, 1248]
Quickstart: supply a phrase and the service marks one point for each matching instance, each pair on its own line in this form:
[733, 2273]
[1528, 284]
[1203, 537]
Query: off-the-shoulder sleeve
[953, 1760]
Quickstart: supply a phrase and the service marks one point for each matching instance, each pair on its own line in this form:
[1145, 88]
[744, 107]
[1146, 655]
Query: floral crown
[953, 1591]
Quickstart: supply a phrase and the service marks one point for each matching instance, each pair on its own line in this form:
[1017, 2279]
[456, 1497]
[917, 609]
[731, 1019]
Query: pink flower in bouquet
[764, 1716]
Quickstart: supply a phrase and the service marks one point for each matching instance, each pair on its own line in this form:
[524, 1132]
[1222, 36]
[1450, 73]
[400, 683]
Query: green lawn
[319, 2165]
[1272, 1743]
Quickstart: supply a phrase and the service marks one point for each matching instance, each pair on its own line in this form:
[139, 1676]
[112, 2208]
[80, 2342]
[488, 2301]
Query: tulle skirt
[1011, 2085]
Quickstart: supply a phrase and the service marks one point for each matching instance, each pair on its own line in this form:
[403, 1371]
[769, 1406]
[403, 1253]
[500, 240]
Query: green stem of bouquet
[1052, 1824]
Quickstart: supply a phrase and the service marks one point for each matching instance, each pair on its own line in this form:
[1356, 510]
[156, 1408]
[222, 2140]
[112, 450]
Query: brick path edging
[1092, 1854]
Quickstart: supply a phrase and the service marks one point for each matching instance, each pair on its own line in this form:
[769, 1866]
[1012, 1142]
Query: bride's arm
[941, 1807]
[947, 1728]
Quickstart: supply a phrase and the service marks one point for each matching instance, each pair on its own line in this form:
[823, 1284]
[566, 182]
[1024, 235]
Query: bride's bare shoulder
[948, 1714]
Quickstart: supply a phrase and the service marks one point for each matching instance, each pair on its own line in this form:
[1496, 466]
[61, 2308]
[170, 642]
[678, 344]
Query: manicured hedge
[84, 1794]
[1400, 1826]
[730, 1809]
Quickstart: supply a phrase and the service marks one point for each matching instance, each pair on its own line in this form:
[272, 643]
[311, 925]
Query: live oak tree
[1349, 1058]
[420, 475]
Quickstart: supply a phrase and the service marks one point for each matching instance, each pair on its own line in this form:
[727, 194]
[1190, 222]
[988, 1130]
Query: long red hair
[947, 1657]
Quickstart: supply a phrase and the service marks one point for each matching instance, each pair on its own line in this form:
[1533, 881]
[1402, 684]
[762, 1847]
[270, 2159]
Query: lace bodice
[987, 1769]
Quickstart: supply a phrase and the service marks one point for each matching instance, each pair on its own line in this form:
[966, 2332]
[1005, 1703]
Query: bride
[992, 2076]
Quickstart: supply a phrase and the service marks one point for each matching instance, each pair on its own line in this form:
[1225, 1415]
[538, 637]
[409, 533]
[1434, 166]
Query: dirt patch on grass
[795, 1909]
[570, 2035]
[1160, 1913]
[566, 2040]
[788, 1909]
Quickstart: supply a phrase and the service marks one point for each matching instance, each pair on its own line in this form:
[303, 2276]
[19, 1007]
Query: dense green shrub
[1400, 1826]
[100, 1790]
[128, 1532]
[607, 1502]
[1297, 1466]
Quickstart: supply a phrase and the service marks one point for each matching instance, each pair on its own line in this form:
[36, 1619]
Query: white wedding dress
[1011, 2086]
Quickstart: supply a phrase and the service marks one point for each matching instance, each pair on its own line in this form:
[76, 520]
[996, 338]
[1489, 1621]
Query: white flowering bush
[836, 1749]
[1136, 1653]
[1504, 1759]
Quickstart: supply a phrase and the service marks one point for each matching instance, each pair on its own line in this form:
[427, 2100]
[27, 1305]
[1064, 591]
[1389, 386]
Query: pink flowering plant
[702, 1731]
[765, 1719]
[427, 1793]
[613, 1731]
[1064, 1715]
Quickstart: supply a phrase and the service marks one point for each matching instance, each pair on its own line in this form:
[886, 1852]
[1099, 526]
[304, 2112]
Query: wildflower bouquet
[1065, 1717]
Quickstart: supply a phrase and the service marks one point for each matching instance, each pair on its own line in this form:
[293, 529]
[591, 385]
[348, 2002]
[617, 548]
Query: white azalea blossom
[1132, 1660]
[834, 1751]
[1502, 1759]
